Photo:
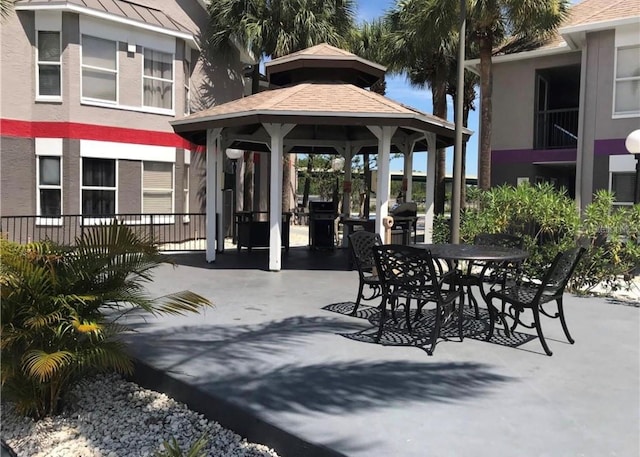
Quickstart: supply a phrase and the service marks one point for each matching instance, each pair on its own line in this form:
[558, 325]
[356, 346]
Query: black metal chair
[475, 274]
[533, 295]
[407, 274]
[361, 244]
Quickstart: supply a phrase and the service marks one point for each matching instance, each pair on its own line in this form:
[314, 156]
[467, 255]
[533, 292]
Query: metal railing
[556, 129]
[171, 232]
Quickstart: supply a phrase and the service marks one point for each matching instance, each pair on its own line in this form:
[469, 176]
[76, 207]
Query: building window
[49, 65]
[185, 192]
[99, 69]
[49, 186]
[627, 81]
[622, 185]
[157, 79]
[157, 188]
[186, 66]
[98, 187]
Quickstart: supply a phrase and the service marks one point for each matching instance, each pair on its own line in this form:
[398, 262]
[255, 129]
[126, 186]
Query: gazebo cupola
[324, 63]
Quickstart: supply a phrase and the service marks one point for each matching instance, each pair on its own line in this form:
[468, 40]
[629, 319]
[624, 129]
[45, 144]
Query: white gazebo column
[213, 137]
[384, 135]
[346, 194]
[430, 187]
[407, 152]
[277, 132]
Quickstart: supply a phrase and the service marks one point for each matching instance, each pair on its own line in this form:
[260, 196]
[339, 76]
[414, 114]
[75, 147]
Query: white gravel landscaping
[110, 417]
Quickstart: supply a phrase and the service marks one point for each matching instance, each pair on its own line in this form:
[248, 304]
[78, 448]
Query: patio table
[489, 256]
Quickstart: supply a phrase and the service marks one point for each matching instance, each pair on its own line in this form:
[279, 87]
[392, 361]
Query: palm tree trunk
[307, 181]
[486, 84]
[247, 203]
[287, 184]
[439, 91]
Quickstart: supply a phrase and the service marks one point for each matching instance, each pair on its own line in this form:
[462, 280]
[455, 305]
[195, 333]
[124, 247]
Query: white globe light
[632, 142]
[337, 164]
[234, 154]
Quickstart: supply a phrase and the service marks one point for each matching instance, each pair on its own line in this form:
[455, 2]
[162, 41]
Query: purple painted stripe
[532, 155]
[609, 147]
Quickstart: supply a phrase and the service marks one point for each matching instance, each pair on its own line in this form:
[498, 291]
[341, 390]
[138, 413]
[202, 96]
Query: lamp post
[234, 155]
[337, 164]
[632, 144]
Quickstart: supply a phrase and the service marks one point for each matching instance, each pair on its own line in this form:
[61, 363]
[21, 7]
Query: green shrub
[61, 308]
[172, 448]
[546, 219]
[549, 222]
[612, 235]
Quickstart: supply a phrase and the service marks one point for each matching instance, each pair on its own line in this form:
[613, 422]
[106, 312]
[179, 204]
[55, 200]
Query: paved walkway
[280, 347]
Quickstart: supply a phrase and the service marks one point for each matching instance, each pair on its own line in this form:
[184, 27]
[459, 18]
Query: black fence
[171, 232]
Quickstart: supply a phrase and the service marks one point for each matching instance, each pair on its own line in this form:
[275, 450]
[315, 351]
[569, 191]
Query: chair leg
[536, 320]
[562, 320]
[360, 289]
[383, 312]
[407, 314]
[460, 319]
[492, 318]
[472, 300]
[435, 332]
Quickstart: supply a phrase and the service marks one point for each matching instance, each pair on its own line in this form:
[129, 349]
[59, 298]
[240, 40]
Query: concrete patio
[279, 360]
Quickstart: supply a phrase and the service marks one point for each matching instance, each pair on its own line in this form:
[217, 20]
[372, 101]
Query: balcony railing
[557, 129]
[171, 232]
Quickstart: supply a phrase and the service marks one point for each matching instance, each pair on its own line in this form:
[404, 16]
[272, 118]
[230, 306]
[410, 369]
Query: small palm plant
[61, 306]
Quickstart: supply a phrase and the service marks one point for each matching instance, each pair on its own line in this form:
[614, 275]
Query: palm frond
[179, 303]
[43, 365]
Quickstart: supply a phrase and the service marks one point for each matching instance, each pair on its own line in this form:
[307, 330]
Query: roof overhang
[474, 64]
[71, 7]
[575, 36]
[369, 71]
[194, 130]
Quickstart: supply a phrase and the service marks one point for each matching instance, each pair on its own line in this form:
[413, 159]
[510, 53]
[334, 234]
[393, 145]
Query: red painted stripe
[77, 131]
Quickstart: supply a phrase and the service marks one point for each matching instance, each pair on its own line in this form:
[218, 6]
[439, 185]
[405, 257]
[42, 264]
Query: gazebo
[321, 102]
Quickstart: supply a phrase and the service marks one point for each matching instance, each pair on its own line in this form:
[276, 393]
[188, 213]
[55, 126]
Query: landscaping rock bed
[110, 417]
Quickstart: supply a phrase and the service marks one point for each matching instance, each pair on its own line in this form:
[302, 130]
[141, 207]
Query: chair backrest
[400, 266]
[560, 271]
[499, 239]
[361, 244]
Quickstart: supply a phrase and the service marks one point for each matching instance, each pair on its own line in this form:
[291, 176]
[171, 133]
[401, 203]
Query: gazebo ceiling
[321, 111]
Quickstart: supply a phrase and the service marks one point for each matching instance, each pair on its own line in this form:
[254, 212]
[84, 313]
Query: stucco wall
[18, 177]
[514, 90]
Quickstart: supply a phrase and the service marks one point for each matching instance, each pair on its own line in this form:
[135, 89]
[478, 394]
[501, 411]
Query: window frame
[617, 202]
[186, 68]
[48, 220]
[99, 101]
[156, 109]
[164, 219]
[48, 98]
[186, 184]
[623, 114]
[92, 220]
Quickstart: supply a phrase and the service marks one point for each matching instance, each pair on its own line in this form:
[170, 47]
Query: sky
[401, 91]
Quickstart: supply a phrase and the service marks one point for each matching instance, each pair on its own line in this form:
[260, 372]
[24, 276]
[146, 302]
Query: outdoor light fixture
[632, 144]
[234, 155]
[337, 164]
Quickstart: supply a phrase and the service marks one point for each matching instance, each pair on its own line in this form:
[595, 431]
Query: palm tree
[61, 309]
[5, 8]
[278, 27]
[425, 54]
[492, 22]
